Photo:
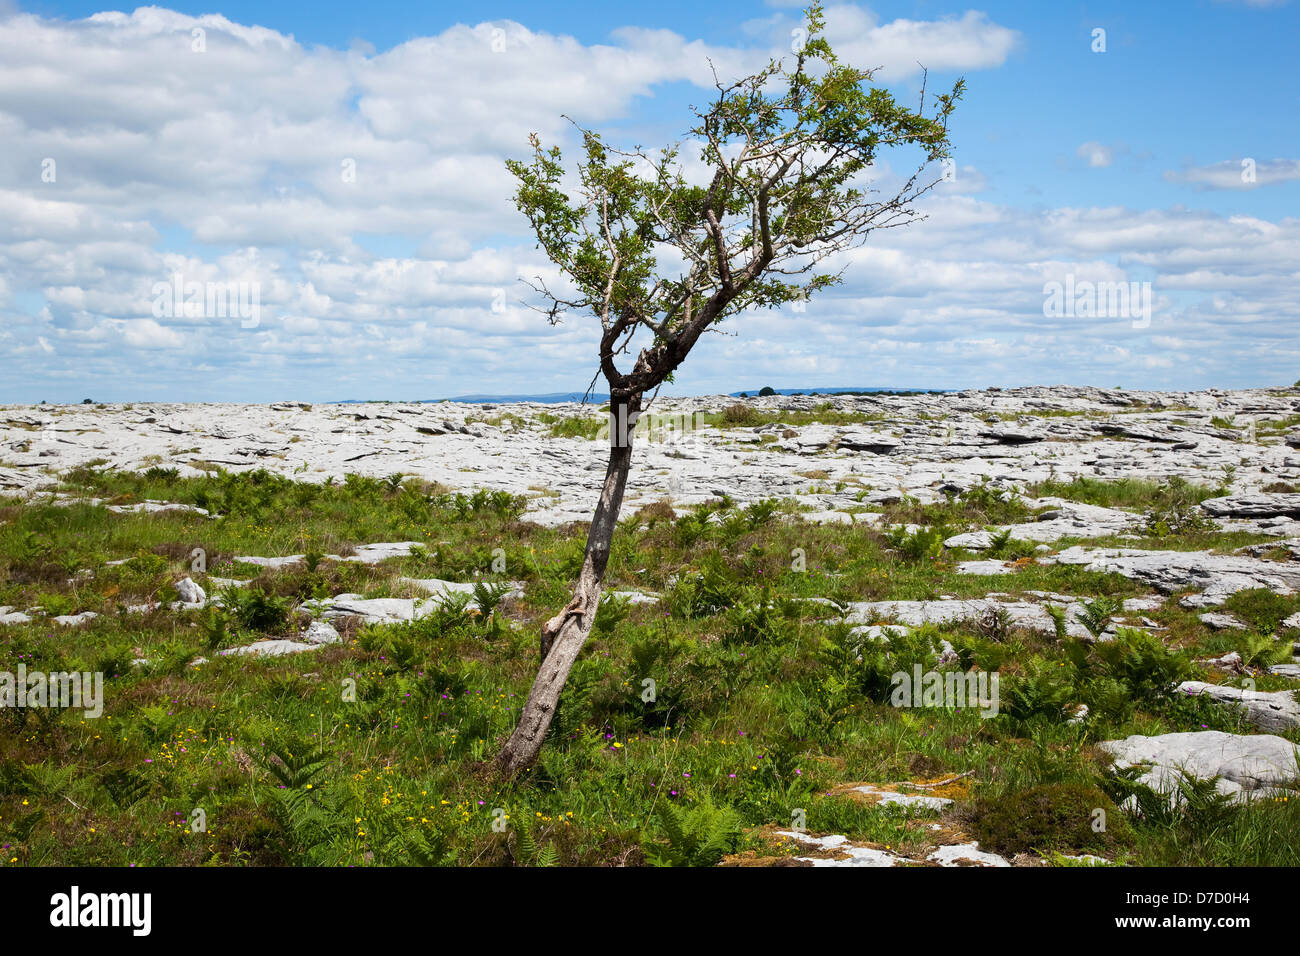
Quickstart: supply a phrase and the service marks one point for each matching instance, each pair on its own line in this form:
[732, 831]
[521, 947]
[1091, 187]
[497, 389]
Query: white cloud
[1237, 173]
[1097, 155]
[901, 47]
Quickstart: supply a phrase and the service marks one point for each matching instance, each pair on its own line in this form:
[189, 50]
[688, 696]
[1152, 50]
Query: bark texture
[564, 635]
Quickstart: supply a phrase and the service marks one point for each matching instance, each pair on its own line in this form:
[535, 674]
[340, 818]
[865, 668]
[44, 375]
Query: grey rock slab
[372, 610]
[971, 540]
[439, 589]
[873, 443]
[9, 616]
[636, 597]
[1012, 436]
[915, 613]
[375, 553]
[984, 567]
[1273, 711]
[1152, 602]
[1247, 764]
[907, 800]
[1228, 662]
[275, 648]
[1221, 622]
[1071, 519]
[1253, 506]
[829, 517]
[273, 562]
[154, 507]
[923, 442]
[74, 620]
[966, 854]
[1215, 575]
[226, 582]
[854, 855]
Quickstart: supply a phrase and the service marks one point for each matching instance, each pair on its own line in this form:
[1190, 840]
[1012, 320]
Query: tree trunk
[564, 635]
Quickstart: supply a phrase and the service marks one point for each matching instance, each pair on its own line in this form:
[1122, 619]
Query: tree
[660, 258]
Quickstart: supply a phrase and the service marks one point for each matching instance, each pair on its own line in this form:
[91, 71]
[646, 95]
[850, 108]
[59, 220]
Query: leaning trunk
[563, 635]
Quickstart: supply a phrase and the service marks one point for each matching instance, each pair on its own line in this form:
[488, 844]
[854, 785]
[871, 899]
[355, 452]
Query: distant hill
[597, 397]
[550, 398]
[846, 390]
[600, 398]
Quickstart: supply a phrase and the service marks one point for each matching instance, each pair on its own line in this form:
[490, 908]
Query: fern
[1058, 616]
[125, 787]
[297, 805]
[697, 836]
[528, 851]
[488, 596]
[216, 630]
[1096, 614]
[1262, 650]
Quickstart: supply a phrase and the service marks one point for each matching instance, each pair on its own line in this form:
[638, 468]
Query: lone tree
[660, 256]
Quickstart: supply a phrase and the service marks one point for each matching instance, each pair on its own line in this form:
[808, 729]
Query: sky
[340, 167]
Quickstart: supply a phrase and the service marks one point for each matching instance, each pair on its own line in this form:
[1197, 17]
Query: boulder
[321, 632]
[971, 540]
[189, 592]
[1247, 765]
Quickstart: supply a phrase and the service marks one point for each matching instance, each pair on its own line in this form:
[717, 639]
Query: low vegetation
[763, 697]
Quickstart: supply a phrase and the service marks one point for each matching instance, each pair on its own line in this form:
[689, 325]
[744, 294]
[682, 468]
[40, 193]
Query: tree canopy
[645, 247]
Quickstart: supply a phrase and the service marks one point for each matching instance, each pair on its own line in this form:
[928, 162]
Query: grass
[374, 750]
[1130, 493]
[741, 415]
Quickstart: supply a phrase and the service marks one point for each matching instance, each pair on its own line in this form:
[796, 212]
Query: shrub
[1055, 816]
[578, 426]
[1043, 691]
[1143, 663]
[254, 609]
[739, 415]
[923, 544]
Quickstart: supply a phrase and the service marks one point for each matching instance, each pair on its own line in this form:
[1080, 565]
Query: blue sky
[1121, 164]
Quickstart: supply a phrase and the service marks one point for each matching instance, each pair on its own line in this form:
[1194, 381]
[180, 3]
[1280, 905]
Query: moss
[1056, 816]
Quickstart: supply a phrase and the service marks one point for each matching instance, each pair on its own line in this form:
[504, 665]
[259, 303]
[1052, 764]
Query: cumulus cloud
[900, 48]
[1237, 174]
